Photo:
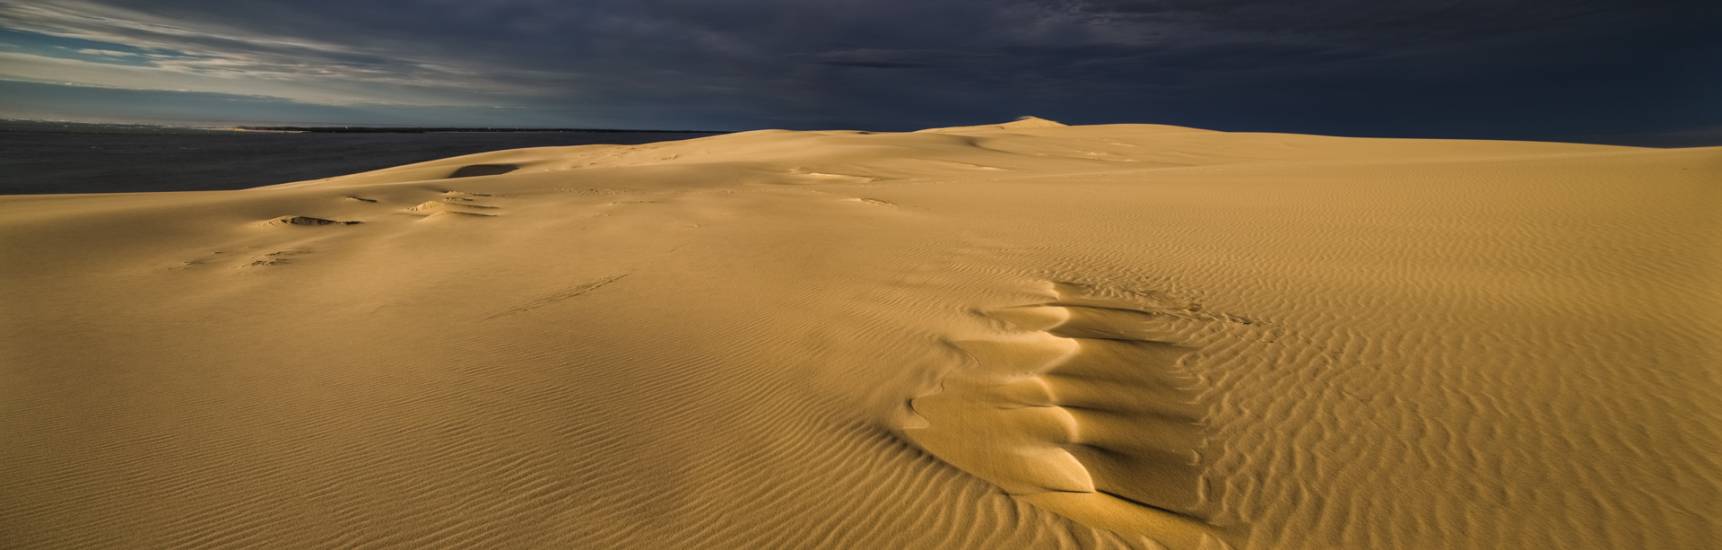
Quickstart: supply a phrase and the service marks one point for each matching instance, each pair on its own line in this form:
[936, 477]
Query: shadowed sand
[1001, 336]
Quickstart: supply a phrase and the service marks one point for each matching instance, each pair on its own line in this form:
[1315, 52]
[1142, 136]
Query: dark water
[41, 157]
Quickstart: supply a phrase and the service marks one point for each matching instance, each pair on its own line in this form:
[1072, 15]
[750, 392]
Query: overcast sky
[1541, 69]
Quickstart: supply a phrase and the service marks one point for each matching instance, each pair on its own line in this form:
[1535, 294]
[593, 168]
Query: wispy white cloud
[107, 53]
[204, 76]
[211, 58]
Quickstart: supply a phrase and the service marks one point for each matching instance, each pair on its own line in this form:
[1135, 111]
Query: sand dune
[999, 336]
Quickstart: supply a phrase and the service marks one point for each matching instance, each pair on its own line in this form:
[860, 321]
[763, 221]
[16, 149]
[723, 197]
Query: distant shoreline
[34, 124]
[434, 129]
[69, 157]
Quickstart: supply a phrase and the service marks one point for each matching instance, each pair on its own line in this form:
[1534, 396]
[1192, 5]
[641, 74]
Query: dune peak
[1030, 121]
[1026, 122]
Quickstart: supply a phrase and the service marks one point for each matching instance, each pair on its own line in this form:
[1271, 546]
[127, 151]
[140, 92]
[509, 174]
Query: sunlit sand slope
[1003, 336]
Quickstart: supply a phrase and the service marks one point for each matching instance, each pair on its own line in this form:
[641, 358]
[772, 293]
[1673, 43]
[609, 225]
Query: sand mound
[435, 207]
[456, 203]
[1021, 123]
[1024, 335]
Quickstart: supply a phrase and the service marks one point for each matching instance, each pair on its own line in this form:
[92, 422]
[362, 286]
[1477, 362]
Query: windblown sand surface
[1010, 336]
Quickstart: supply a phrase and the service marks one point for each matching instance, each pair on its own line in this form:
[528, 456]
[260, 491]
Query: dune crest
[1021, 123]
[1032, 122]
[1018, 335]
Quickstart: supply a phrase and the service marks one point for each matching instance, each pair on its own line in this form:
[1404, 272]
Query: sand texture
[1003, 336]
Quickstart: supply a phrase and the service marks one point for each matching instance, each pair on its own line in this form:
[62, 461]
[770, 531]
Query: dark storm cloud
[1535, 68]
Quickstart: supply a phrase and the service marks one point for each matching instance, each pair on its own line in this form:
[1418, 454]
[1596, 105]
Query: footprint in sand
[309, 221]
[278, 257]
[828, 177]
[871, 201]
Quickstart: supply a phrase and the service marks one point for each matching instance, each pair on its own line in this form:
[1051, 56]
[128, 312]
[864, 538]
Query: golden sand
[1006, 336]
